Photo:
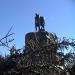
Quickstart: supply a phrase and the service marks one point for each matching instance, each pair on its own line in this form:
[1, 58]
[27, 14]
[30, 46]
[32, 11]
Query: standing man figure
[37, 25]
[42, 22]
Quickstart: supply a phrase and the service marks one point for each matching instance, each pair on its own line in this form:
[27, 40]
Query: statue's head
[36, 14]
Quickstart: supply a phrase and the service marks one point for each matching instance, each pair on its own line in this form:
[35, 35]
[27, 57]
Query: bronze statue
[39, 22]
[42, 22]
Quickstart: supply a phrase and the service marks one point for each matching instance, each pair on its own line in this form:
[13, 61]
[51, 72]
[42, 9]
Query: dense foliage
[14, 63]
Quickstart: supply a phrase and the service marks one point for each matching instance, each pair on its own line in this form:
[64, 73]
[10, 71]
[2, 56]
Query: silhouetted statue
[39, 22]
[42, 22]
[37, 25]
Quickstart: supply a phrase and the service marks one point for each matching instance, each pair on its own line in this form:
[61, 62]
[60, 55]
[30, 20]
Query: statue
[42, 22]
[39, 22]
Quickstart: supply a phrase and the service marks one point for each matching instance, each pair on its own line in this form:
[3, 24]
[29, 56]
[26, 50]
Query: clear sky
[59, 17]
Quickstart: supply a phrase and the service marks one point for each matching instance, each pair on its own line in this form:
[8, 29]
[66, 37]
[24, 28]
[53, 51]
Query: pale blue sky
[59, 16]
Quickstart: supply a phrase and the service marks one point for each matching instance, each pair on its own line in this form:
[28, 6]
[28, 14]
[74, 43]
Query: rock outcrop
[40, 53]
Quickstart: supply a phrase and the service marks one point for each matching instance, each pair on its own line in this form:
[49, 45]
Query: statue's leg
[39, 27]
[35, 28]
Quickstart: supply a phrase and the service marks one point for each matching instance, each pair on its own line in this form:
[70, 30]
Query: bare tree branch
[5, 38]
